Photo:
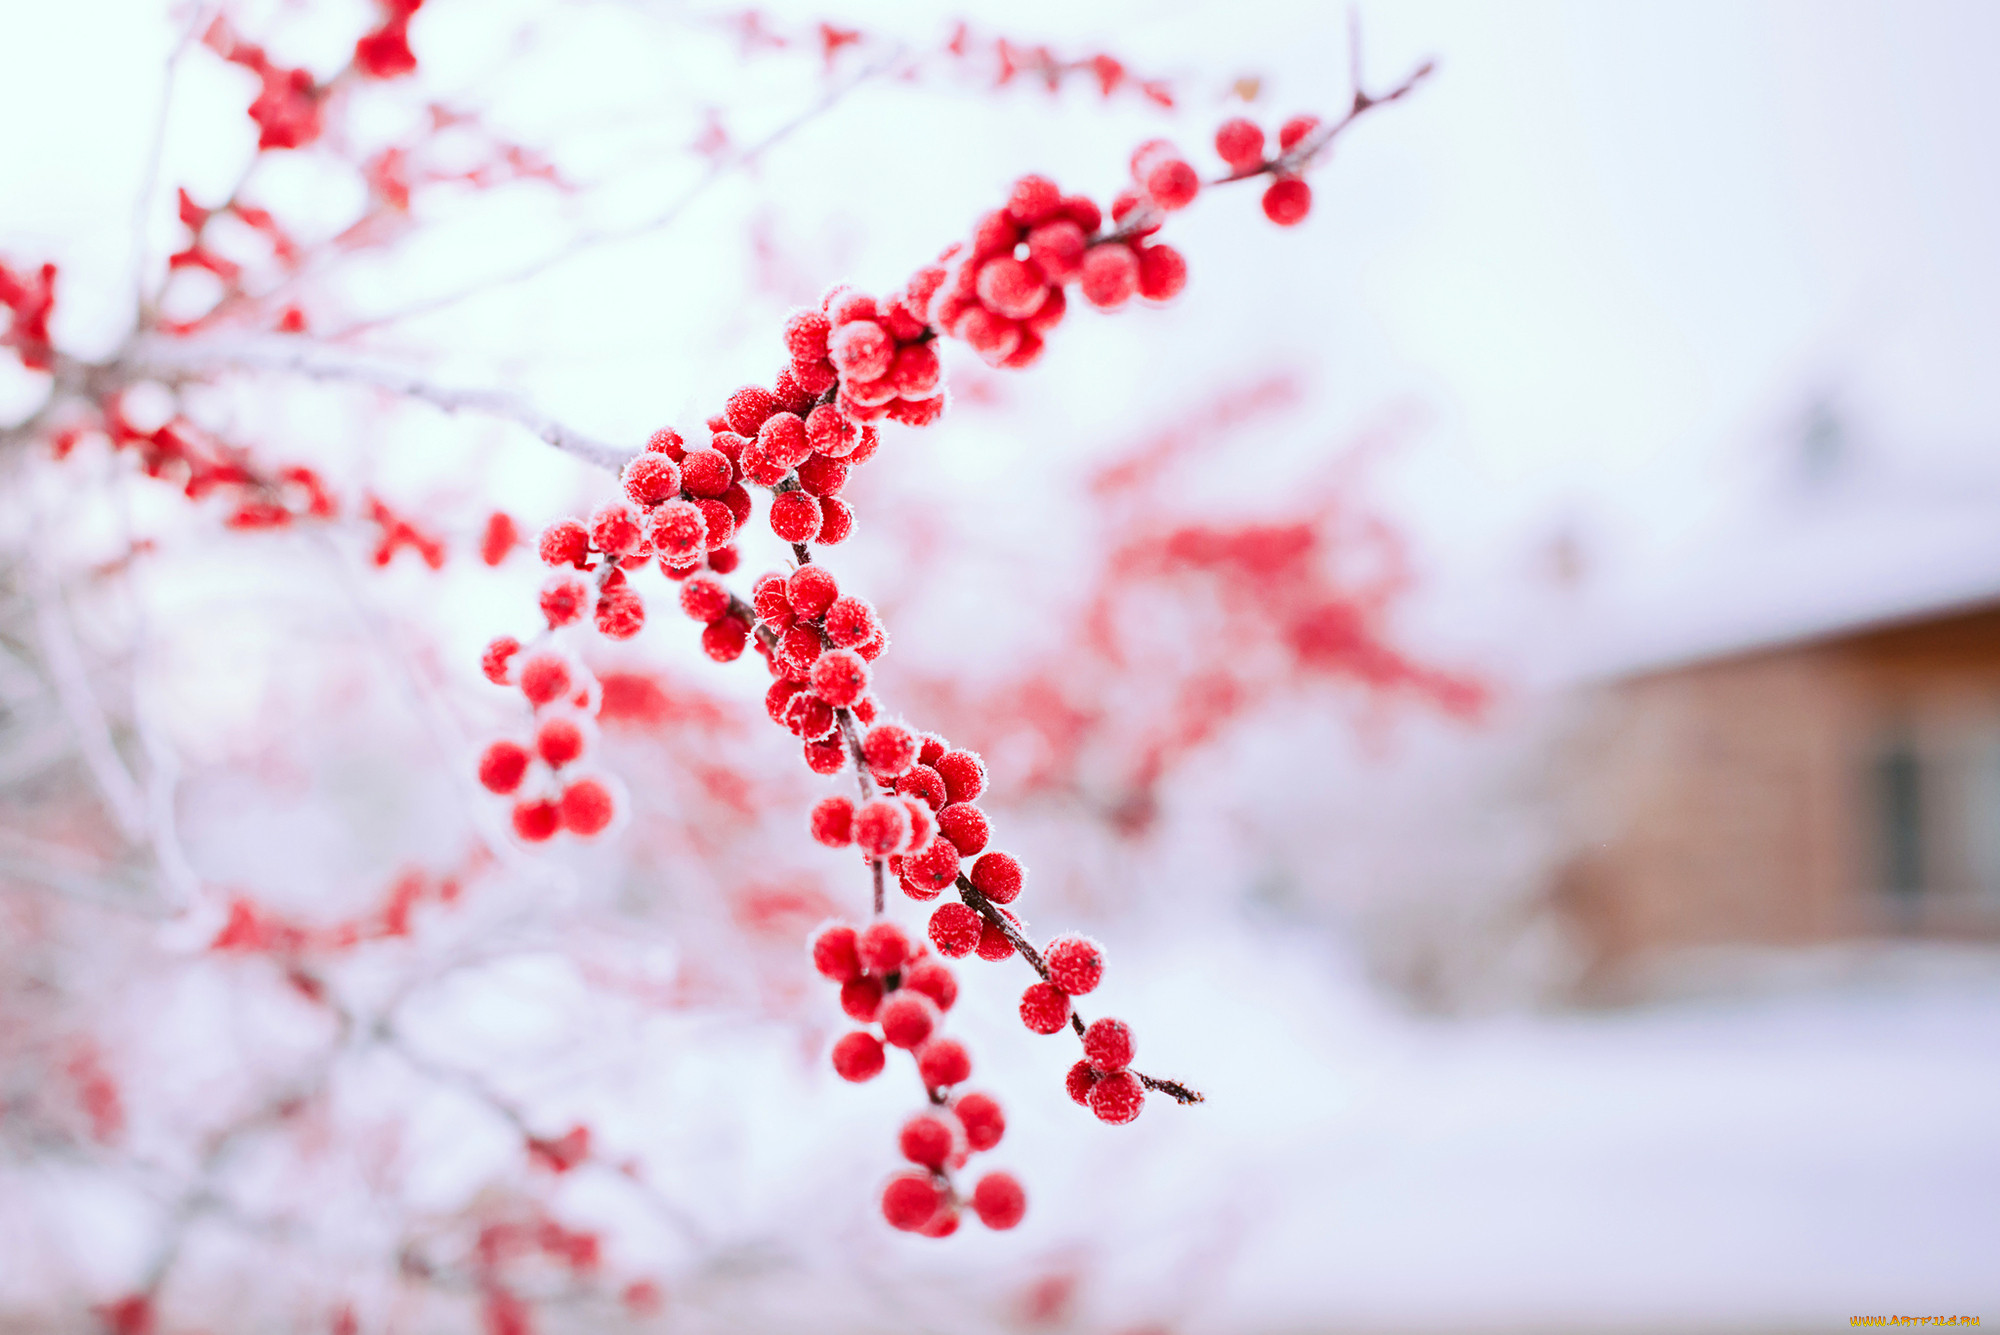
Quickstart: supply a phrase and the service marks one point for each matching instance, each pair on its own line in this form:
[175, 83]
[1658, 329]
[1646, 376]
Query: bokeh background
[1594, 929]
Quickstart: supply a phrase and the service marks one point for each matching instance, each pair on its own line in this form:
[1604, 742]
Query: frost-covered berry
[883, 947]
[930, 747]
[809, 717]
[997, 876]
[1076, 964]
[761, 466]
[860, 349]
[559, 741]
[565, 543]
[911, 1200]
[798, 649]
[719, 520]
[858, 1056]
[1295, 129]
[652, 479]
[1287, 201]
[783, 440]
[795, 516]
[823, 477]
[935, 981]
[881, 827]
[890, 750]
[999, 1201]
[861, 998]
[828, 433]
[1240, 143]
[955, 930]
[496, 658]
[706, 473]
[723, 640]
[778, 699]
[865, 710]
[772, 601]
[923, 782]
[965, 825]
[825, 756]
[544, 678]
[1117, 1099]
[615, 530]
[1033, 198]
[836, 952]
[1171, 183]
[907, 1019]
[564, 599]
[805, 335]
[1079, 1082]
[537, 821]
[502, 766]
[679, 532]
[993, 942]
[1162, 272]
[621, 613]
[1051, 313]
[944, 1062]
[1044, 1008]
[980, 1116]
[705, 598]
[926, 1140]
[833, 822]
[667, 441]
[1057, 249]
[933, 869]
[748, 409]
[1010, 288]
[836, 521]
[1108, 1045]
[923, 827]
[964, 775]
[811, 590]
[1110, 276]
[849, 621]
[587, 807]
[737, 501]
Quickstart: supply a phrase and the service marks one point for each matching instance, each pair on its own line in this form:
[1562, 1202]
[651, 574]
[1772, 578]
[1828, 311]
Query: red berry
[651, 479]
[761, 466]
[825, 756]
[965, 825]
[833, 822]
[935, 981]
[748, 409]
[706, 473]
[621, 613]
[1049, 316]
[772, 602]
[1162, 272]
[999, 1201]
[923, 782]
[915, 372]
[1079, 1082]
[705, 598]
[1295, 129]
[880, 827]
[828, 433]
[737, 501]
[493, 662]
[1057, 249]
[982, 1119]
[955, 930]
[1076, 964]
[1240, 143]
[564, 599]
[864, 710]
[908, 1019]
[1172, 183]
[993, 337]
[1032, 199]
[1117, 1099]
[929, 748]
[933, 869]
[1288, 201]
[537, 821]
[911, 1200]
[1083, 211]
[587, 807]
[1110, 276]
[778, 698]
[614, 528]
[565, 543]
[1044, 1008]
[823, 477]
[811, 590]
[922, 412]
[805, 336]
[809, 717]
[795, 516]
[559, 741]
[964, 775]
[890, 750]
[667, 441]
[720, 521]
[995, 234]
[993, 943]
[1010, 288]
[997, 876]
[858, 1056]
[798, 649]
[679, 532]
[1108, 1045]
[836, 952]
[926, 1140]
[502, 767]
[883, 947]
[723, 640]
[944, 1062]
[783, 440]
[544, 677]
[849, 621]
[836, 521]
[860, 350]
[861, 998]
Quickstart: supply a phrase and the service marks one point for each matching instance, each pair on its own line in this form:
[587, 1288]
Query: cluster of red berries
[1003, 290]
[1240, 143]
[549, 793]
[818, 644]
[1102, 1081]
[879, 353]
[889, 983]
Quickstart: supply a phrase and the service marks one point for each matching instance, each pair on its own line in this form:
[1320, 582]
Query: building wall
[1825, 791]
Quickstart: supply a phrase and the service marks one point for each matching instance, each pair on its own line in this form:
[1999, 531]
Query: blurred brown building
[1838, 787]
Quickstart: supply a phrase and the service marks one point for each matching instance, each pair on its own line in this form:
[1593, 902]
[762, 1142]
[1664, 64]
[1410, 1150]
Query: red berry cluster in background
[892, 985]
